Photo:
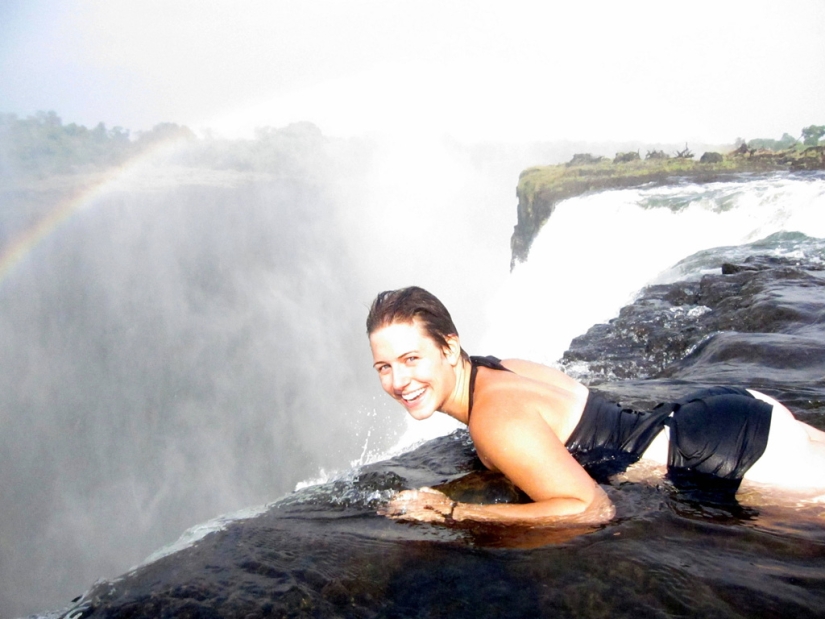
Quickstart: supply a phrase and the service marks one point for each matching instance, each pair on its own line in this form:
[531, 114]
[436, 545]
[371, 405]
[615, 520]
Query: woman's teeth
[409, 397]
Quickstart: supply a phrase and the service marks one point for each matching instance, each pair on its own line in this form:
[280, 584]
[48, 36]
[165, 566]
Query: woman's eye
[382, 369]
[411, 359]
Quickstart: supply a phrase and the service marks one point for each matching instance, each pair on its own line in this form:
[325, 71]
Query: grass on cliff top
[563, 178]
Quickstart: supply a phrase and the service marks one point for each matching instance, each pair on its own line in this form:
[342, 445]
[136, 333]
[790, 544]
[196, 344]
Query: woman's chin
[421, 408]
[420, 413]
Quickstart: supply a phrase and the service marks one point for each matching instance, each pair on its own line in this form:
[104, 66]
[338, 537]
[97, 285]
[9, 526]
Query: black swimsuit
[716, 434]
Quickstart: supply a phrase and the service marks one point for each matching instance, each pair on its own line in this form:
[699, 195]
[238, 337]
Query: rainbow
[24, 243]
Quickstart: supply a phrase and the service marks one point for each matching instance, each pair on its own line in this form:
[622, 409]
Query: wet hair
[409, 304]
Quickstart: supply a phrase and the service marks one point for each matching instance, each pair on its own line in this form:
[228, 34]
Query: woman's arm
[430, 505]
[519, 443]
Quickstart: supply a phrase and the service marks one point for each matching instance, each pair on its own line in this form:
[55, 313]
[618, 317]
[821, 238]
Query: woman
[525, 419]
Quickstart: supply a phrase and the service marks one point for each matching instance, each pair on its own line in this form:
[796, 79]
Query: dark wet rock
[323, 551]
[483, 487]
[361, 565]
[314, 554]
[760, 323]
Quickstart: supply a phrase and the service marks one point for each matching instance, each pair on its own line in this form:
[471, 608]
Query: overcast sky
[477, 70]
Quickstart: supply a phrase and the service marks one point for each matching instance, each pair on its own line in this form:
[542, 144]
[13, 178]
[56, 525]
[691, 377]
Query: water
[605, 247]
[324, 552]
[183, 337]
[190, 322]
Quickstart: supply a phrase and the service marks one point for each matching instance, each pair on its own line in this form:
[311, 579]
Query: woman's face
[412, 368]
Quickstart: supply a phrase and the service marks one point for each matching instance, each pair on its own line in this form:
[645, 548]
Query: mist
[183, 332]
[183, 345]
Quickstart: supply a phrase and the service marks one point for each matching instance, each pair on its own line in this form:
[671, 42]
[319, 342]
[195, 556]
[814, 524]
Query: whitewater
[597, 252]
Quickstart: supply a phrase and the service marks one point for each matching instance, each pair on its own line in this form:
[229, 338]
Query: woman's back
[530, 388]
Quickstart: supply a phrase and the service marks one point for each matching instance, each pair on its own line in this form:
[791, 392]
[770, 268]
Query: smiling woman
[416, 352]
[421, 364]
[527, 421]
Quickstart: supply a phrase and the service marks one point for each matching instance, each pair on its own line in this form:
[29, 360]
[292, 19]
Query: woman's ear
[453, 350]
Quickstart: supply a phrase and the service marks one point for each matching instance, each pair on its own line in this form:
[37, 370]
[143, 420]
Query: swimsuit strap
[494, 363]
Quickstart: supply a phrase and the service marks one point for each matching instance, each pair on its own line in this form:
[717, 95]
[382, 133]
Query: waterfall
[597, 251]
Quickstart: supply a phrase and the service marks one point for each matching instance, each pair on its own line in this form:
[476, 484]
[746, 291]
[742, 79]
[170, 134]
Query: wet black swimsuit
[716, 434]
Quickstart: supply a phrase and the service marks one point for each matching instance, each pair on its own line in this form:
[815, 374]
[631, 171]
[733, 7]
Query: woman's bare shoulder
[545, 374]
[529, 392]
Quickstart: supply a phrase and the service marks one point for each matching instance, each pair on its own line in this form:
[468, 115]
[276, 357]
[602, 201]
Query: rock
[768, 313]
[323, 552]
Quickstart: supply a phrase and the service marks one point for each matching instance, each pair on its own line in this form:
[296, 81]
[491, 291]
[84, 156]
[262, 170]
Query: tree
[811, 134]
[165, 131]
[42, 144]
[784, 143]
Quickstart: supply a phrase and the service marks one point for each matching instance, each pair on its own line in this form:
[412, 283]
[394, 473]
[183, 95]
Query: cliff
[540, 188]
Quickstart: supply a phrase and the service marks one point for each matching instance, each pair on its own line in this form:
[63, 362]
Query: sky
[475, 70]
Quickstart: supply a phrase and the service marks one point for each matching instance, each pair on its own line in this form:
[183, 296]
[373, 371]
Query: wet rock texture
[323, 551]
[759, 323]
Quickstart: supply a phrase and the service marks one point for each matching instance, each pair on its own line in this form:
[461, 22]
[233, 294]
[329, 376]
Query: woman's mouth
[413, 396]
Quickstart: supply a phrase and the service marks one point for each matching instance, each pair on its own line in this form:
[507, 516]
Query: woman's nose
[400, 378]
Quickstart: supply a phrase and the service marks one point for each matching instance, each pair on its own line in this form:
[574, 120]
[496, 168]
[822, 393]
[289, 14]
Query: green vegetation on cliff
[540, 188]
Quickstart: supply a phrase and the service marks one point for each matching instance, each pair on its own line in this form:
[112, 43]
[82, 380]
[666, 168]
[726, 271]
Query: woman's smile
[412, 368]
[412, 396]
